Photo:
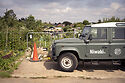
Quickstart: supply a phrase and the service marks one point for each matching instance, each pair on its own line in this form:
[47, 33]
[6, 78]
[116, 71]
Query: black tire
[123, 63]
[68, 62]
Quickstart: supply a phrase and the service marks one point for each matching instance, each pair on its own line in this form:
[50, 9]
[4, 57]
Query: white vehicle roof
[109, 24]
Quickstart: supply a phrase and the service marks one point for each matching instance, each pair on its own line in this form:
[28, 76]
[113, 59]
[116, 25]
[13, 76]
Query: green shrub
[5, 74]
[8, 64]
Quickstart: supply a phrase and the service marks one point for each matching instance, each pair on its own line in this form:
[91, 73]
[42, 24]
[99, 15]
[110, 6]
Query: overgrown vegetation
[8, 60]
[5, 74]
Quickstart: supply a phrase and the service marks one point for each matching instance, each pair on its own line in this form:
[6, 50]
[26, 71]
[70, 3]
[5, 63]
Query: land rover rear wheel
[68, 62]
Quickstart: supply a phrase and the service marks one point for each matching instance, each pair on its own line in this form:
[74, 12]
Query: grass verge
[5, 74]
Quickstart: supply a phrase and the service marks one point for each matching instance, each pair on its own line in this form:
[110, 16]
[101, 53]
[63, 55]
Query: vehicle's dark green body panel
[106, 46]
[71, 44]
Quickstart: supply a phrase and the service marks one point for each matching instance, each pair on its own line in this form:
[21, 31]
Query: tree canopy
[86, 22]
[66, 23]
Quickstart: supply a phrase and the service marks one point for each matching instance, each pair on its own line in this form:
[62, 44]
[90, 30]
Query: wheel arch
[71, 51]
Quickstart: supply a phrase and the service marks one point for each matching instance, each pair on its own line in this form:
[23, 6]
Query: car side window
[99, 33]
[118, 33]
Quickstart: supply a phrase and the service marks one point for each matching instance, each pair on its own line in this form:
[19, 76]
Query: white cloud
[67, 9]
[73, 10]
[115, 5]
[64, 10]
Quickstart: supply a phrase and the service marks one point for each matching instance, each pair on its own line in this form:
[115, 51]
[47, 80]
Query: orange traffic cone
[35, 57]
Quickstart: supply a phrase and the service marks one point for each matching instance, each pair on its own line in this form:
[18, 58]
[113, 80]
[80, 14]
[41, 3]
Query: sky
[65, 10]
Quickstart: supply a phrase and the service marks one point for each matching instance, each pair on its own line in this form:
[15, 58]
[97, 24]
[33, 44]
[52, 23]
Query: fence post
[27, 39]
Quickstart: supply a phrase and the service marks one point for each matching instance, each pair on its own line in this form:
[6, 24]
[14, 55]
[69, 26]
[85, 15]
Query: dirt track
[60, 80]
[50, 69]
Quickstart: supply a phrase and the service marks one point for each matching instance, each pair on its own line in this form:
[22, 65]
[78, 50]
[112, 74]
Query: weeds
[5, 75]
[38, 77]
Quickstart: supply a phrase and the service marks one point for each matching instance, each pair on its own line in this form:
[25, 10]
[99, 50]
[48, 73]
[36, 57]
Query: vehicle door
[118, 43]
[98, 47]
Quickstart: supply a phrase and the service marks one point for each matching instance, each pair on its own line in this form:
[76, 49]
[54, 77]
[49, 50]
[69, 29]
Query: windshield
[86, 30]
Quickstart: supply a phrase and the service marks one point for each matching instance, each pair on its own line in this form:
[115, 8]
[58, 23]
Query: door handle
[104, 47]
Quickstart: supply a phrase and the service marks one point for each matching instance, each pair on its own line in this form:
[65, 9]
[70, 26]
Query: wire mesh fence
[12, 41]
[45, 39]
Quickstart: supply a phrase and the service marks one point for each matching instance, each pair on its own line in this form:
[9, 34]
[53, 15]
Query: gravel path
[50, 69]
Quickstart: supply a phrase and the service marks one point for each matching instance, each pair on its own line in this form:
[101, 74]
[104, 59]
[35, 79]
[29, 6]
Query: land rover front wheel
[68, 62]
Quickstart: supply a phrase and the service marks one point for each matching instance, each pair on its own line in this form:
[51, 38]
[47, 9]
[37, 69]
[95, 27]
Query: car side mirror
[90, 37]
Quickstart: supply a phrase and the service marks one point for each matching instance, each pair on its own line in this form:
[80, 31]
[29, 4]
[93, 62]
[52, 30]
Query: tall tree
[86, 22]
[10, 21]
[30, 22]
[10, 18]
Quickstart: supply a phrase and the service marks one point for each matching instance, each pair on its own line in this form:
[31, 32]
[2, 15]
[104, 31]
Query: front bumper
[54, 57]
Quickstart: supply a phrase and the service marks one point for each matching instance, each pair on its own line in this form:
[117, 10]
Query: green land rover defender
[97, 42]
